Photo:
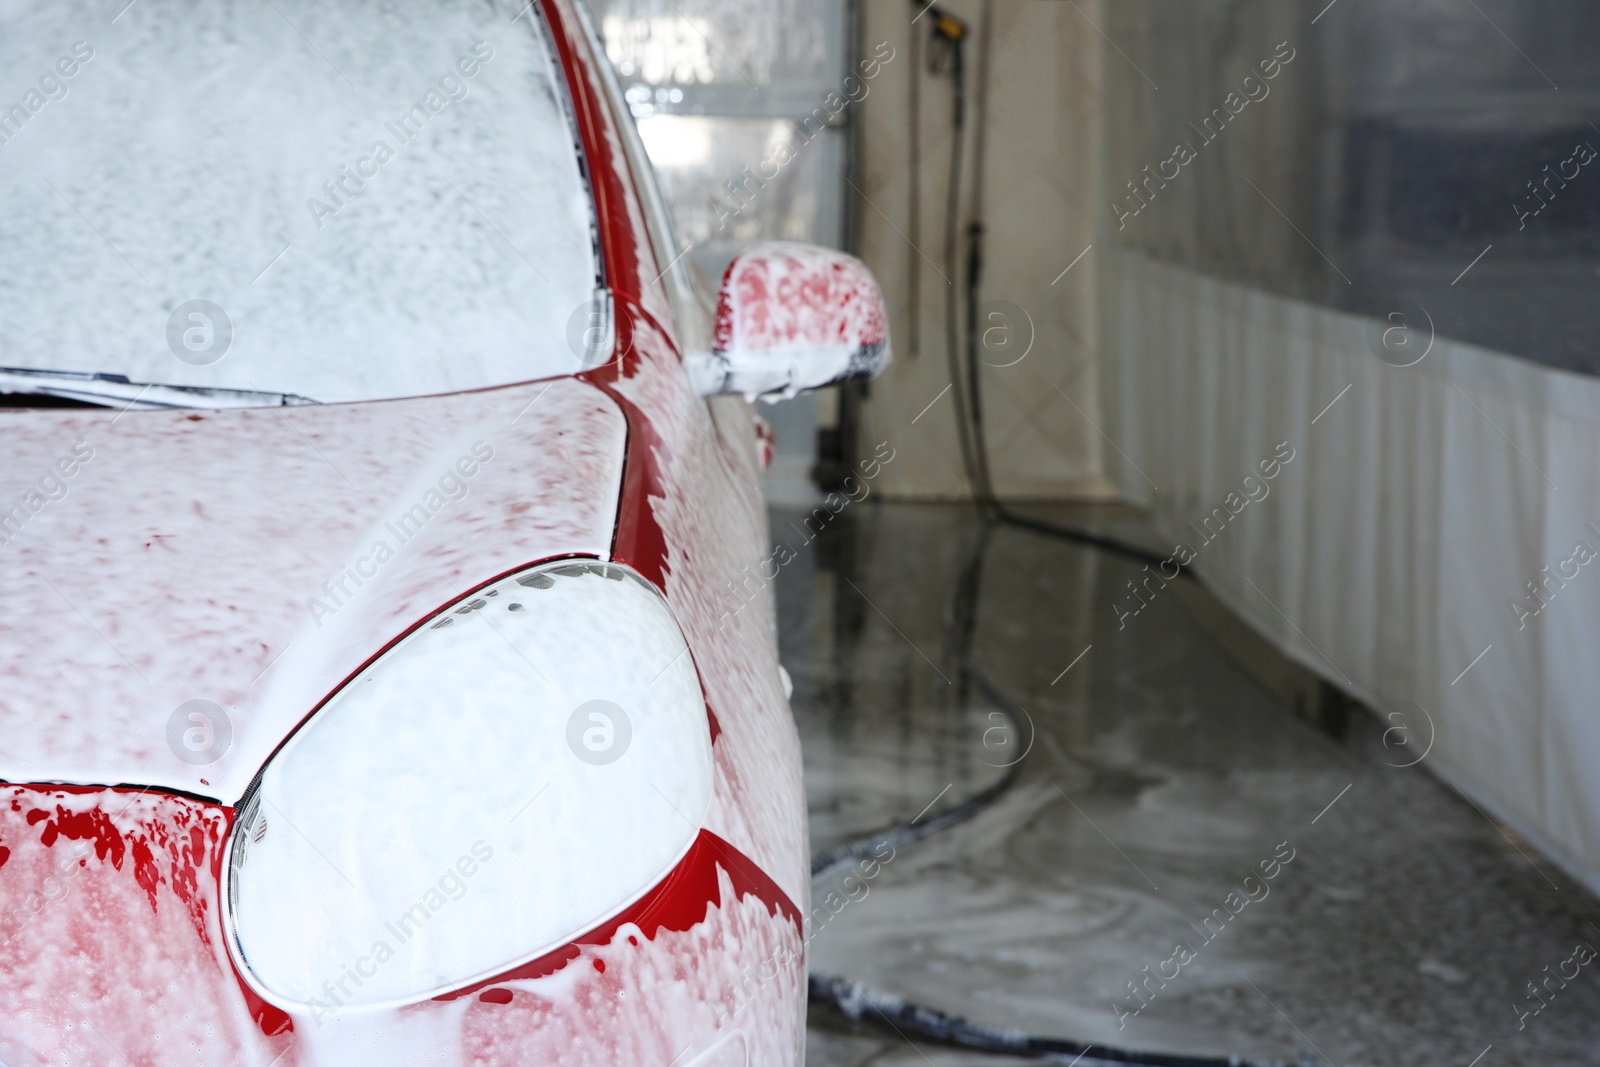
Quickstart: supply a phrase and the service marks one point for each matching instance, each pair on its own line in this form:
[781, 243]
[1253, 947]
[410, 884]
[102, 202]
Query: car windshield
[335, 201]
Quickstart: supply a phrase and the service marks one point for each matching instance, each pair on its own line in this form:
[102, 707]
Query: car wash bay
[1406, 928]
[1331, 798]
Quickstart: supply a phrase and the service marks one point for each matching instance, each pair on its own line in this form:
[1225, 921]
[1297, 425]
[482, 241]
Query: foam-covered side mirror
[792, 317]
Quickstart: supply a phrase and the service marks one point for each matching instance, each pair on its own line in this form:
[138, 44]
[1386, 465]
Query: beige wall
[1042, 204]
[1074, 115]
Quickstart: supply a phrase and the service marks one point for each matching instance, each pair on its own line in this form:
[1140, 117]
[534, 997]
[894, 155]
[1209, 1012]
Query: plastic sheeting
[1402, 140]
[730, 98]
[735, 43]
[1394, 553]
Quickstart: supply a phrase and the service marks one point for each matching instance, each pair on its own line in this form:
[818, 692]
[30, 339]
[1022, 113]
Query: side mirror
[792, 317]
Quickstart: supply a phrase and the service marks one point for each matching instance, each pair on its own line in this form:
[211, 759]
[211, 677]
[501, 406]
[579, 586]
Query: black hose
[1087, 537]
[965, 377]
[870, 1007]
[960, 621]
[849, 998]
[875, 1008]
[859, 1005]
[906, 833]
[953, 32]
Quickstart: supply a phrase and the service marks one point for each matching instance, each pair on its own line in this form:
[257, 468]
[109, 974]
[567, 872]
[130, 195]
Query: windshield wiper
[116, 391]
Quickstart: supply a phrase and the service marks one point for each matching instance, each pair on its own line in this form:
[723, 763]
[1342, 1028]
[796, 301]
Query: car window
[367, 199]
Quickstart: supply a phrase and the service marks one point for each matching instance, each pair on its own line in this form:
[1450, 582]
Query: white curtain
[1391, 552]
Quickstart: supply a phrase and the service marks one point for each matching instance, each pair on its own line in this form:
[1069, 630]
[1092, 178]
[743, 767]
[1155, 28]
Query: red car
[373, 684]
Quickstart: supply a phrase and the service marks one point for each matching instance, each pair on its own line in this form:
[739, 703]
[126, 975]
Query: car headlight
[518, 769]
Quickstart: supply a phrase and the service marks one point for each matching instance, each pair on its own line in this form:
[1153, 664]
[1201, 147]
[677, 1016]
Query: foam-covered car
[379, 679]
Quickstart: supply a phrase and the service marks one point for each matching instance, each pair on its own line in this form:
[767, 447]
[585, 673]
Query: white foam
[456, 744]
[182, 160]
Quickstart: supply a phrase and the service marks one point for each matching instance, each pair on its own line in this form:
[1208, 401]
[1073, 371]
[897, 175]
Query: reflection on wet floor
[1184, 865]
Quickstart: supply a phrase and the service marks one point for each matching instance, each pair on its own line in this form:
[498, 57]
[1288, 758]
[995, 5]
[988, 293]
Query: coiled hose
[890, 1012]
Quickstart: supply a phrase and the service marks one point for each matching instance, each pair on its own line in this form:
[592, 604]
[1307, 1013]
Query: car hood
[254, 559]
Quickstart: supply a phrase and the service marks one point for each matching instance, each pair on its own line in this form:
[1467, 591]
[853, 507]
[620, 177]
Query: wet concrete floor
[1119, 891]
